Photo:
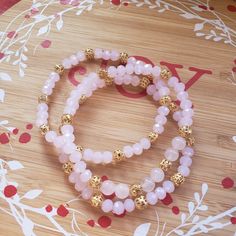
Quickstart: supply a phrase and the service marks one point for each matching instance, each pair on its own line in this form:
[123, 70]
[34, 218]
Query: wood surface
[109, 120]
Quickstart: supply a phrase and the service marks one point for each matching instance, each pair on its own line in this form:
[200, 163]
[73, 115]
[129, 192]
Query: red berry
[104, 221]
[233, 220]
[62, 211]
[10, 191]
[175, 210]
[48, 208]
[4, 138]
[104, 177]
[91, 223]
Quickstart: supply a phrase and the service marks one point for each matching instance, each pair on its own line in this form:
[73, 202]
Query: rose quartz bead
[107, 187]
[107, 157]
[107, 205]
[72, 177]
[178, 143]
[188, 151]
[127, 79]
[115, 55]
[106, 55]
[74, 60]
[160, 192]
[65, 129]
[86, 176]
[69, 110]
[173, 81]
[138, 69]
[157, 175]
[54, 76]
[87, 193]
[171, 154]
[179, 87]
[147, 184]
[118, 80]
[69, 148]
[163, 110]
[66, 63]
[98, 53]
[87, 154]
[152, 198]
[151, 89]
[39, 122]
[129, 69]
[188, 112]
[186, 161]
[80, 56]
[159, 84]
[118, 207]
[63, 158]
[122, 191]
[128, 151]
[79, 186]
[185, 121]
[145, 143]
[186, 104]
[47, 90]
[168, 186]
[121, 70]
[164, 91]
[42, 107]
[184, 170]
[157, 128]
[129, 205]
[156, 96]
[59, 141]
[50, 136]
[112, 71]
[147, 69]
[97, 157]
[160, 119]
[137, 149]
[182, 95]
[156, 71]
[131, 60]
[135, 80]
[80, 167]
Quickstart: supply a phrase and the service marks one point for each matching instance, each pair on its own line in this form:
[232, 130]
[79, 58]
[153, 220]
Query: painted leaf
[204, 188]
[4, 122]
[203, 228]
[5, 76]
[27, 226]
[203, 208]
[42, 30]
[2, 95]
[183, 218]
[200, 34]
[188, 16]
[198, 26]
[234, 138]
[195, 219]
[142, 230]
[216, 225]
[59, 24]
[197, 197]
[216, 39]
[196, 8]
[15, 165]
[32, 194]
[190, 207]
[179, 232]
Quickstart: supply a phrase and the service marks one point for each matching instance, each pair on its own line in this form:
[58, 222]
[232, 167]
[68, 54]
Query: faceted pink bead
[188, 112]
[115, 55]
[152, 198]
[129, 69]
[163, 110]
[159, 84]
[86, 176]
[171, 154]
[59, 141]
[184, 170]
[179, 87]
[173, 81]
[87, 154]
[97, 157]
[186, 104]
[107, 187]
[80, 56]
[156, 71]
[54, 76]
[188, 151]
[145, 143]
[138, 69]
[47, 90]
[151, 89]
[178, 143]
[160, 192]
[106, 55]
[182, 95]
[66, 63]
[164, 91]
[98, 53]
[185, 121]
[50, 136]
[42, 107]
[128, 151]
[129, 205]
[147, 184]
[63, 158]
[122, 191]
[135, 80]
[107, 157]
[75, 157]
[79, 186]
[118, 80]
[80, 167]
[39, 122]
[69, 110]
[87, 193]
[118, 207]
[156, 96]
[147, 69]
[69, 148]
[127, 79]
[137, 149]
[160, 119]
[157, 128]
[177, 115]
[131, 60]
[72, 177]
[67, 129]
[74, 60]
[112, 71]
[121, 70]
[186, 161]
[107, 205]
[168, 186]
[157, 175]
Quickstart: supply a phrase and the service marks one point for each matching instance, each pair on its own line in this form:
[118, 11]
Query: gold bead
[165, 101]
[43, 99]
[89, 54]
[67, 167]
[118, 155]
[152, 137]
[124, 57]
[165, 74]
[44, 129]
[96, 200]
[82, 99]
[79, 148]
[135, 190]
[66, 119]
[59, 69]
[190, 141]
[95, 181]
[177, 179]
[103, 74]
[144, 82]
[141, 202]
[165, 165]
[173, 107]
[185, 131]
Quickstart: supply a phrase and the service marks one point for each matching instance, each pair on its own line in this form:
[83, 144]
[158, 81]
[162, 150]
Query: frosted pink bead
[159, 84]
[184, 170]
[80, 167]
[160, 192]
[179, 87]
[132, 60]
[152, 198]
[145, 143]
[107, 187]
[128, 151]
[157, 175]
[72, 177]
[168, 186]
[151, 89]
[67, 129]
[185, 121]
[188, 151]
[171, 154]
[137, 149]
[54, 76]
[86, 176]
[106, 55]
[173, 81]
[118, 80]
[47, 90]
[160, 119]
[182, 95]
[122, 191]
[69, 148]
[118, 207]
[186, 104]
[66, 63]
[74, 60]
[129, 69]
[59, 141]
[115, 55]
[121, 70]
[50, 136]
[112, 71]
[163, 110]
[138, 69]
[147, 69]
[97, 157]
[129, 205]
[178, 143]
[87, 154]
[188, 112]
[107, 157]
[177, 115]
[80, 56]
[157, 128]
[186, 161]
[42, 107]
[135, 80]
[127, 79]
[164, 91]
[69, 110]
[101, 83]
[147, 184]
[42, 115]
[63, 158]
[87, 193]
[98, 53]
[107, 205]
[156, 71]
[79, 186]
[75, 157]
[156, 96]
[39, 122]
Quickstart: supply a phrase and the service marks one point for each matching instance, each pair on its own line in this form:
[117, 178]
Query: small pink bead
[107, 157]
[66, 63]
[72, 177]
[80, 167]
[42, 107]
[42, 115]
[157, 128]
[97, 157]
[50, 136]
[135, 80]
[177, 115]
[151, 89]
[164, 91]
[122, 191]
[171, 154]
[147, 184]
[173, 81]
[145, 143]
[87, 154]
[152, 198]
[186, 161]
[107, 205]
[129, 205]
[156, 96]
[128, 151]
[156, 71]
[157, 175]
[121, 70]
[86, 176]
[129, 69]
[163, 110]
[80, 186]
[168, 186]
[184, 170]
[118, 207]
[160, 119]
[147, 69]
[179, 87]
[69, 148]
[47, 90]
[188, 112]
[74, 60]
[132, 60]
[54, 76]
[80, 56]
[69, 110]
[186, 104]
[138, 69]
[178, 143]
[98, 53]
[137, 149]
[185, 122]
[59, 141]
[159, 84]
[127, 79]
[188, 151]
[182, 95]
[115, 55]
[75, 157]
[67, 129]
[87, 193]
[106, 55]
[160, 192]
[118, 80]
[112, 71]
[107, 187]
[63, 158]
[39, 122]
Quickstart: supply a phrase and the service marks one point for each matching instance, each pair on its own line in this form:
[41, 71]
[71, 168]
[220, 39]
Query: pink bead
[50, 136]
[97, 157]
[127, 79]
[159, 84]
[147, 184]
[188, 151]
[107, 187]
[186, 104]
[157, 128]
[185, 121]
[160, 119]
[75, 157]
[59, 141]
[177, 115]
[173, 81]
[118, 207]
[188, 112]
[80, 56]
[47, 90]
[39, 122]
[98, 53]
[129, 69]
[80, 167]
[67, 129]
[164, 91]
[156, 96]
[72, 177]
[128, 151]
[42, 107]
[156, 71]
[87, 154]
[63, 158]
[145, 143]
[107, 205]
[186, 161]
[179, 87]
[132, 60]
[74, 60]
[157, 175]
[54, 76]
[178, 143]
[107, 157]
[184, 170]
[135, 80]
[138, 69]
[121, 70]
[86, 176]
[182, 95]
[122, 191]
[69, 148]
[152, 198]
[106, 55]
[137, 149]
[87, 193]
[160, 192]
[147, 69]
[151, 89]
[163, 110]
[129, 205]
[171, 154]
[69, 110]
[115, 55]
[118, 80]
[168, 186]
[66, 63]
[112, 71]
[79, 186]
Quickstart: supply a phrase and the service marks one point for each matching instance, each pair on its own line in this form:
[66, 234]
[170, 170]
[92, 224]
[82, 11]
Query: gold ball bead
[165, 101]
[165, 74]
[44, 129]
[118, 155]
[152, 137]
[135, 190]
[43, 99]
[66, 119]
[185, 131]
[190, 141]
[96, 200]
[89, 54]
[67, 167]
[59, 69]
[177, 179]
[79, 148]
[103, 74]
[141, 202]
[144, 82]
[82, 99]
[173, 107]
[124, 57]
[95, 181]
[165, 165]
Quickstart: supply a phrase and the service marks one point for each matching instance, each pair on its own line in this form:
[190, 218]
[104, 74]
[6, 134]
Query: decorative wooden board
[196, 38]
